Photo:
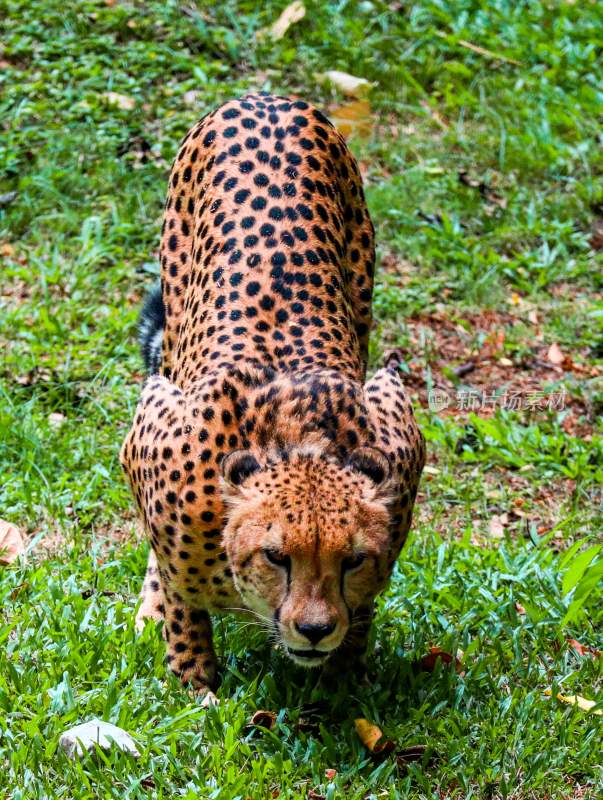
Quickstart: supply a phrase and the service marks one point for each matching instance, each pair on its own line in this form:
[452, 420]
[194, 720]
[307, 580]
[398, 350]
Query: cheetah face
[307, 540]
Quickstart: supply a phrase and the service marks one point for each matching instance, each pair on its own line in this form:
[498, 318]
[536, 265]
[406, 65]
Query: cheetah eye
[277, 558]
[353, 562]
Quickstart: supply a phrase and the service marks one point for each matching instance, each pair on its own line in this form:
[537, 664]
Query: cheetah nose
[314, 632]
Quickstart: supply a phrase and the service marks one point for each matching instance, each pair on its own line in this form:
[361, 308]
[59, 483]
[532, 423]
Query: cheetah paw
[208, 699]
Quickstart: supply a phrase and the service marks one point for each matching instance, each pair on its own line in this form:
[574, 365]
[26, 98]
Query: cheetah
[270, 475]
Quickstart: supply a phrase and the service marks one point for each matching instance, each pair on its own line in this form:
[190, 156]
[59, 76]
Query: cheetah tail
[150, 329]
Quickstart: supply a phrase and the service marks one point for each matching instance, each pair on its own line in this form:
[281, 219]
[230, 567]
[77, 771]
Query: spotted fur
[268, 473]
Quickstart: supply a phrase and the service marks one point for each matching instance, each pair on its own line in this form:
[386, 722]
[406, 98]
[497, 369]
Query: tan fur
[267, 263]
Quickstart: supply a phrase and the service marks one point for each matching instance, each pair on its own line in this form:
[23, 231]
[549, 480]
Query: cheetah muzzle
[272, 478]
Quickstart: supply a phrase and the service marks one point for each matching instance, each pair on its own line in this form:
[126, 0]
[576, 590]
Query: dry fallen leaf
[554, 355]
[263, 719]
[353, 117]
[348, 84]
[493, 343]
[6, 249]
[577, 700]
[596, 237]
[121, 101]
[12, 544]
[56, 419]
[431, 470]
[191, 98]
[497, 525]
[519, 608]
[371, 737]
[429, 661]
[292, 14]
[583, 649]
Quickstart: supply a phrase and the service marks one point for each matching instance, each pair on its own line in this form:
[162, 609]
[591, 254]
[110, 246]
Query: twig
[483, 52]
[464, 369]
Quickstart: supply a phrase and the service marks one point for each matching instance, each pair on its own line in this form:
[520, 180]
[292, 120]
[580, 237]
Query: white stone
[83, 738]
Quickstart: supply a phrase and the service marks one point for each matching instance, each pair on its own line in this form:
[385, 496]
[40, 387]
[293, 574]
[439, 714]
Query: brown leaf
[583, 649]
[467, 180]
[371, 737]
[34, 376]
[312, 795]
[596, 237]
[353, 118]
[494, 342]
[263, 719]
[12, 544]
[554, 355]
[330, 774]
[519, 608]
[429, 661]
[497, 525]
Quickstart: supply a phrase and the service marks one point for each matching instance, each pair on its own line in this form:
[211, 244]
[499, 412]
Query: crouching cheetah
[268, 474]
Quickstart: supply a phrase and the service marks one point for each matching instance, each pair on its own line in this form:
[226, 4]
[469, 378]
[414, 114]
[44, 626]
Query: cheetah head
[307, 540]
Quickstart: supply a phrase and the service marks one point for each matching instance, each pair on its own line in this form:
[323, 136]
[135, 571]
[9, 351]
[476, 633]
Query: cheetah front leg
[190, 650]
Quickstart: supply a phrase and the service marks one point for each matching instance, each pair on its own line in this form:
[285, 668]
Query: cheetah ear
[373, 463]
[237, 466]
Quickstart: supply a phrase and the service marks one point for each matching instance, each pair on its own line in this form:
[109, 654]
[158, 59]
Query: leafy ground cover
[481, 154]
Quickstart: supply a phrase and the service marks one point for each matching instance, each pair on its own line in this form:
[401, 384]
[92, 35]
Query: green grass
[78, 246]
